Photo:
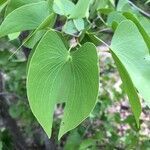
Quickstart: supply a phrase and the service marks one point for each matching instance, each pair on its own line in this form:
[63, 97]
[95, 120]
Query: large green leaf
[81, 9]
[27, 17]
[130, 48]
[57, 75]
[14, 4]
[129, 89]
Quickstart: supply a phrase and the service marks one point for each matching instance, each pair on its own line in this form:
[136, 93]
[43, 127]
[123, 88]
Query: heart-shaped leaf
[56, 75]
[27, 17]
[131, 49]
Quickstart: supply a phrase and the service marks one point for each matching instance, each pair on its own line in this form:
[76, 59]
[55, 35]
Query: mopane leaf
[130, 48]
[27, 17]
[57, 75]
[129, 89]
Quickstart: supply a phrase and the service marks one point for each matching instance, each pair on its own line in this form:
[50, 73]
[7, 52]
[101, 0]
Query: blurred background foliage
[111, 125]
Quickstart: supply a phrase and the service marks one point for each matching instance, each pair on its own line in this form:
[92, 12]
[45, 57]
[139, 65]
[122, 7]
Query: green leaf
[14, 4]
[63, 7]
[87, 143]
[2, 2]
[27, 17]
[79, 24]
[114, 18]
[101, 4]
[81, 10]
[130, 48]
[123, 5]
[4, 55]
[91, 37]
[70, 28]
[13, 36]
[35, 38]
[37, 34]
[129, 89]
[73, 141]
[57, 75]
[140, 26]
[145, 22]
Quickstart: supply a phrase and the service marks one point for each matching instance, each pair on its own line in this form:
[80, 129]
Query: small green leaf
[63, 7]
[79, 24]
[81, 10]
[73, 141]
[91, 37]
[13, 36]
[56, 75]
[100, 4]
[27, 17]
[70, 28]
[130, 48]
